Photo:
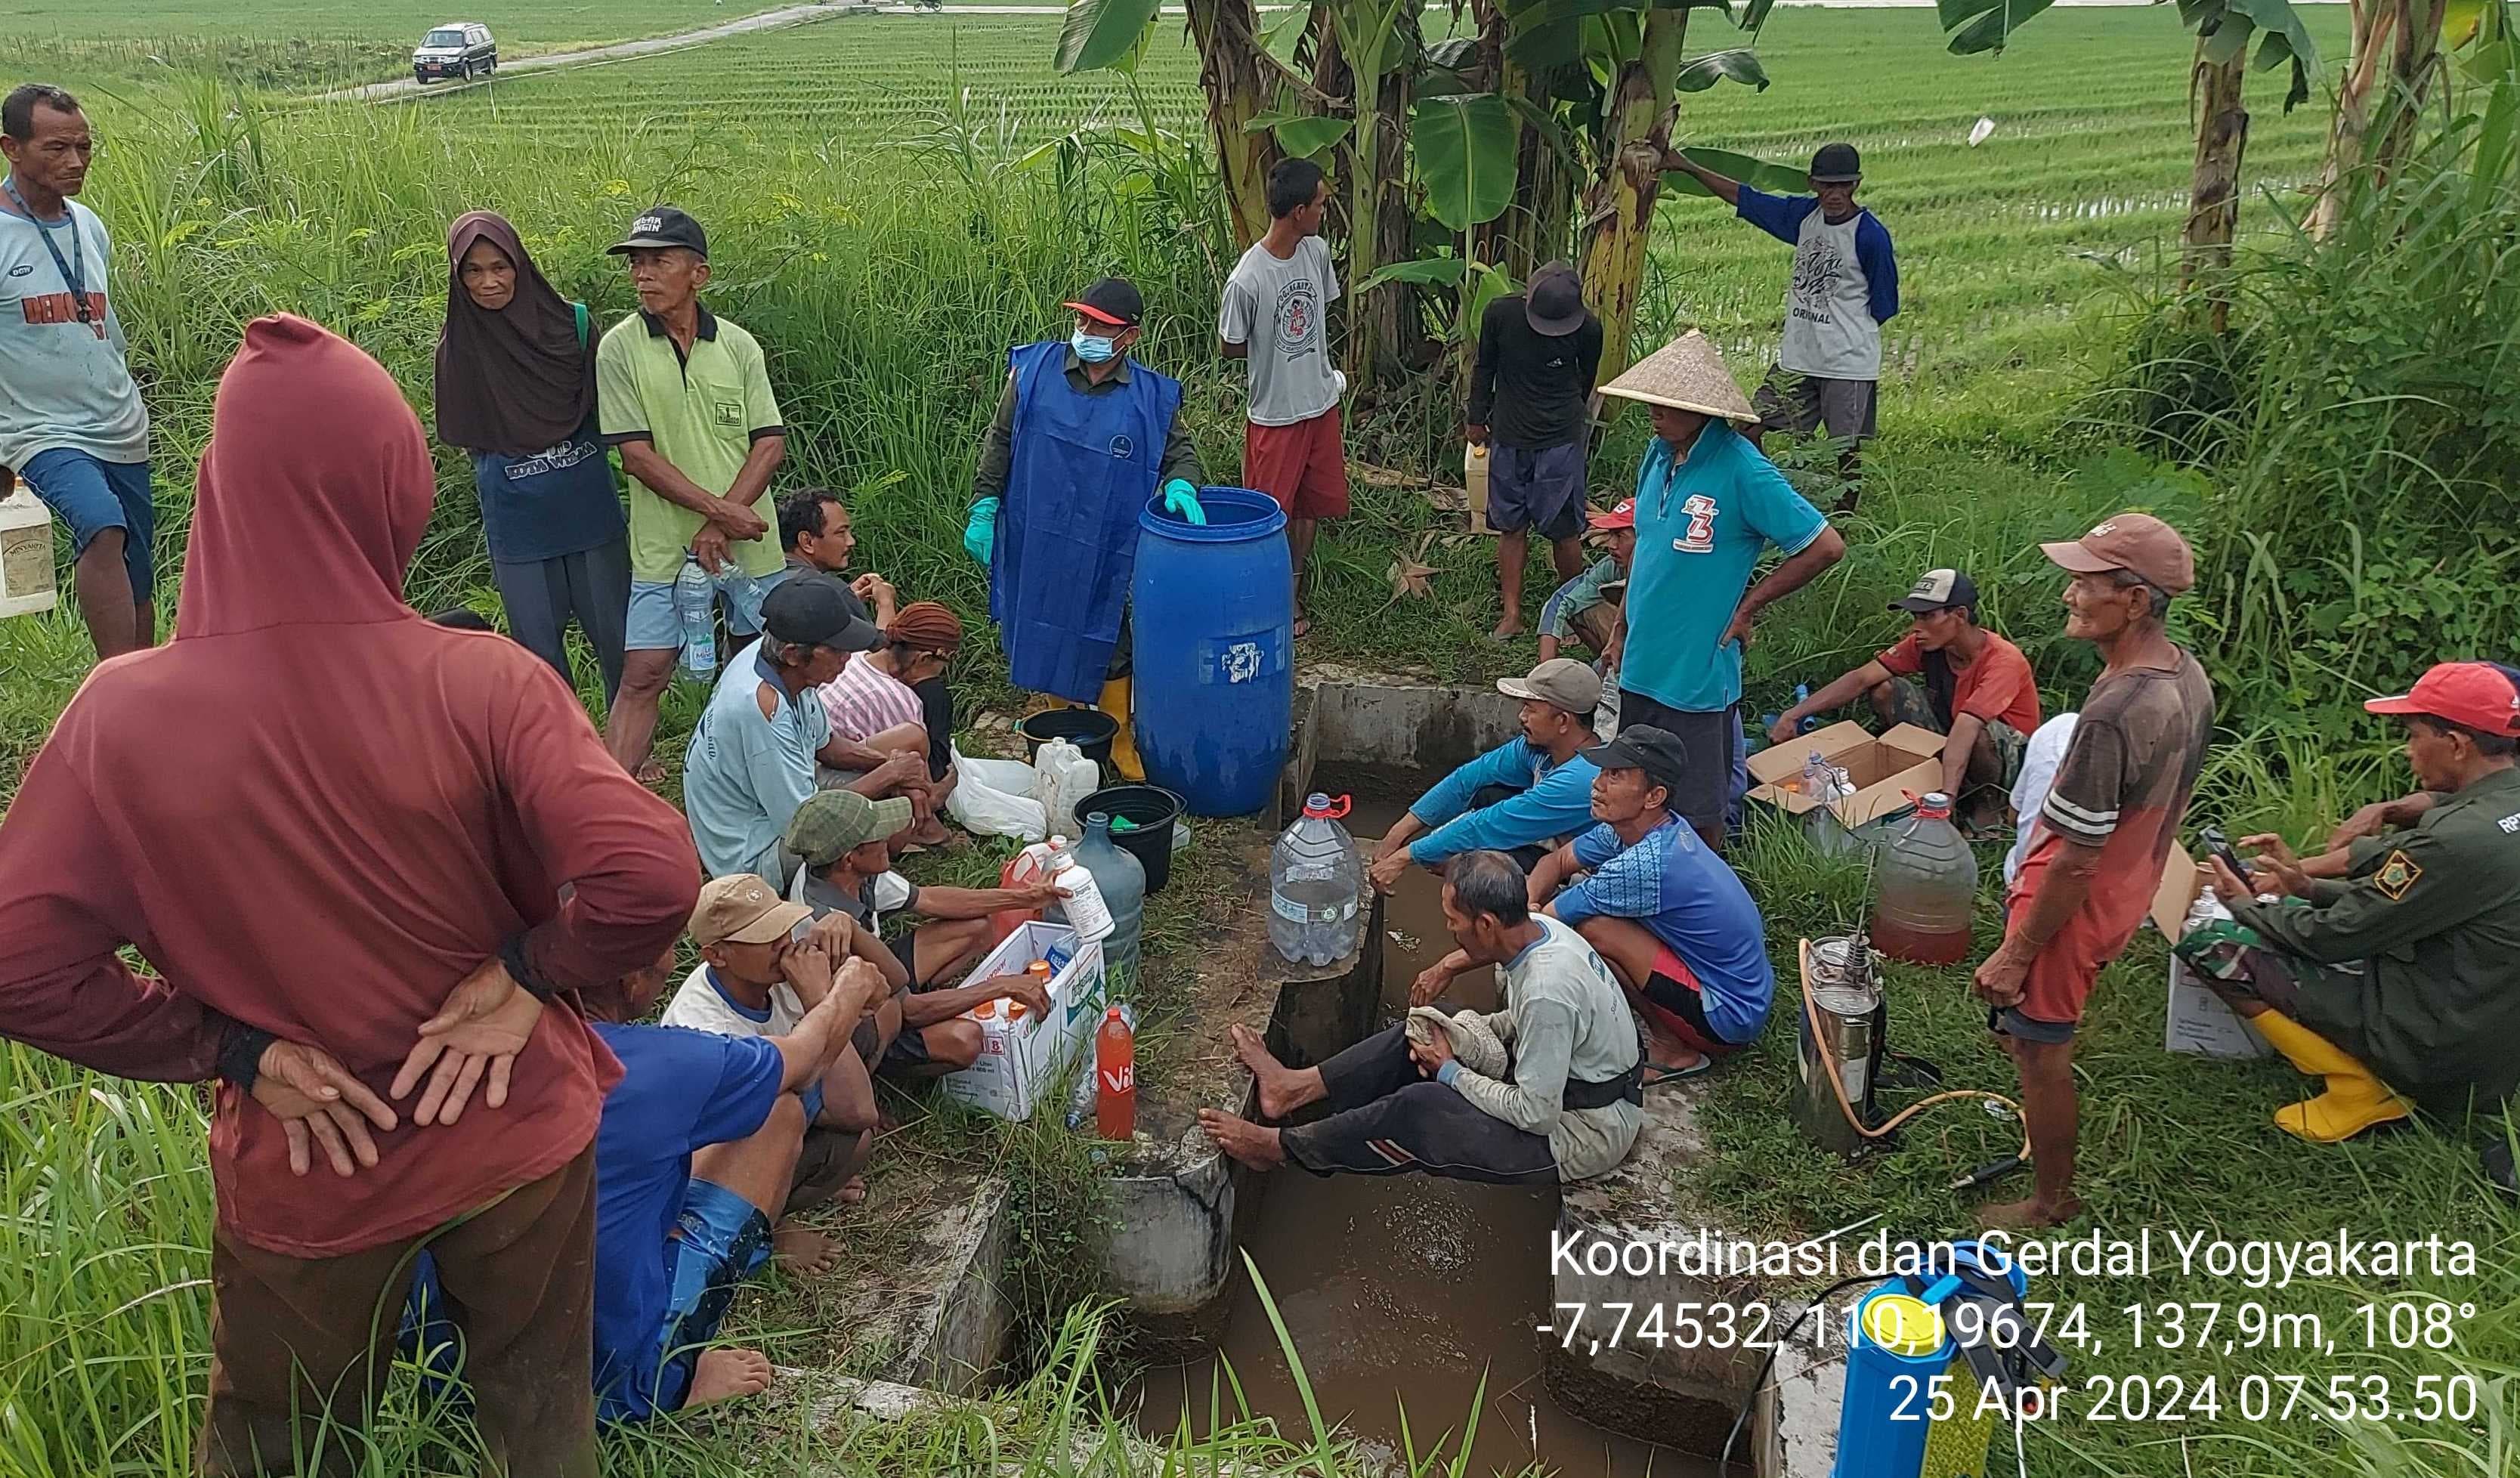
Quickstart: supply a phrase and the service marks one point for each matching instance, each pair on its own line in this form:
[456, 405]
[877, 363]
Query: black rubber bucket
[1090, 730]
[1154, 810]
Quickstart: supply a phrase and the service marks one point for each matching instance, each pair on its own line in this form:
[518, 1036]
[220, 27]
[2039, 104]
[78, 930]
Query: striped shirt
[865, 700]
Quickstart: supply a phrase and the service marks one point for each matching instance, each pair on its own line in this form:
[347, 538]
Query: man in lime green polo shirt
[685, 399]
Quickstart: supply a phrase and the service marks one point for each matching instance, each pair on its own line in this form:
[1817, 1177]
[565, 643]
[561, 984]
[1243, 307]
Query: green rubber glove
[1180, 499]
[981, 534]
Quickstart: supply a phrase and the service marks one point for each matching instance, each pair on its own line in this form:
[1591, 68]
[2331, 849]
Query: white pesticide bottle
[1080, 904]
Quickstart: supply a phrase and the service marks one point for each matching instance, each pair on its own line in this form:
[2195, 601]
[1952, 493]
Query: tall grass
[2358, 425]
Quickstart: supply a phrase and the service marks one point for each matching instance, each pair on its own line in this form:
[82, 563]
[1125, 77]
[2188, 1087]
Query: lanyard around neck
[73, 270]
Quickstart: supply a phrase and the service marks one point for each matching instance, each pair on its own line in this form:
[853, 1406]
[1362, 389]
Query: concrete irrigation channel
[1403, 1290]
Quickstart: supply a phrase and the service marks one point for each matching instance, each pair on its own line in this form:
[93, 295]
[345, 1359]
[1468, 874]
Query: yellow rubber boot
[1124, 745]
[2354, 1101]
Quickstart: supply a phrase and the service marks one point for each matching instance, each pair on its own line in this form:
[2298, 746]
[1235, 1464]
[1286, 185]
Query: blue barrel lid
[1234, 514]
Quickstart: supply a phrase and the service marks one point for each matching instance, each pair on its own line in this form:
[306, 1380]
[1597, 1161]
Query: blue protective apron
[1083, 468]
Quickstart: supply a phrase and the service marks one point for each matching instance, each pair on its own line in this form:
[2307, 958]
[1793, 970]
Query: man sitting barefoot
[1674, 923]
[1559, 1099]
[761, 972]
[698, 1149]
[846, 879]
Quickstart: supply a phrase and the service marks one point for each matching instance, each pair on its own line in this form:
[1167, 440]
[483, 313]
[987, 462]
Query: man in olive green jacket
[2400, 980]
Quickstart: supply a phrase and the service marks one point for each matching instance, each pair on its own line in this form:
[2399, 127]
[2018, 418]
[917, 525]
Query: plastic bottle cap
[986, 1010]
[1903, 1324]
[1113, 1014]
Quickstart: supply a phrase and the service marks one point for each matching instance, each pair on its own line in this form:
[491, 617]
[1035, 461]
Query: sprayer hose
[1837, 1083]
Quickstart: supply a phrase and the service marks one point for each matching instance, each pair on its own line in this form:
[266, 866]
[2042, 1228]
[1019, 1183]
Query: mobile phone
[2218, 845]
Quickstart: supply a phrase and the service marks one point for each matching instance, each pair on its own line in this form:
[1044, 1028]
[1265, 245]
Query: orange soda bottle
[1115, 1075]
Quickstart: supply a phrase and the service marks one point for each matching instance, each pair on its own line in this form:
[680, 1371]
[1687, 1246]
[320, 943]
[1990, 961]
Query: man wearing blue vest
[1084, 436]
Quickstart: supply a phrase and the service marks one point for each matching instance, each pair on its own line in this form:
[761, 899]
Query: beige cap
[1561, 683]
[1687, 374]
[741, 908]
[2137, 543]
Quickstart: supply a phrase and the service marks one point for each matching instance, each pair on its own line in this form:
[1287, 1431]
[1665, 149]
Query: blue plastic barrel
[1212, 625]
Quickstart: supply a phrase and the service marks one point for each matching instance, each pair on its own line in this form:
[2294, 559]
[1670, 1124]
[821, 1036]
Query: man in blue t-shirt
[1707, 506]
[1845, 285]
[1671, 920]
[697, 1152]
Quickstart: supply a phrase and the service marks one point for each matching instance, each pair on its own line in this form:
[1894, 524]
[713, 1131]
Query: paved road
[795, 15]
[800, 14]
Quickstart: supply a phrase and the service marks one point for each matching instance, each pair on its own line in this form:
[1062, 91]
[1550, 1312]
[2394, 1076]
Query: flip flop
[1657, 1074]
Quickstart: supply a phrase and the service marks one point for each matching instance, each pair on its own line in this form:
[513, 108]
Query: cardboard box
[2197, 1021]
[1033, 1058]
[1886, 768]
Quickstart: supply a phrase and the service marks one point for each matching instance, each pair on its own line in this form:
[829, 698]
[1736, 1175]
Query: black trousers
[936, 715]
[1389, 1120]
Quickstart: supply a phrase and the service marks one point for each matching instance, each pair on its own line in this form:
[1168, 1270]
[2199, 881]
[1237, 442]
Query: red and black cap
[1114, 303]
[2478, 696]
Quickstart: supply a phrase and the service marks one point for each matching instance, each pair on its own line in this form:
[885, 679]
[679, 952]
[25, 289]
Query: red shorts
[1674, 1000]
[1304, 466]
[2062, 974]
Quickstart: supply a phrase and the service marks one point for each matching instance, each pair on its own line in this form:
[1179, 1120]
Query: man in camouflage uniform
[2393, 968]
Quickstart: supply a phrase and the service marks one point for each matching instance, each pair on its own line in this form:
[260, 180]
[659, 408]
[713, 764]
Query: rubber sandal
[1655, 1075]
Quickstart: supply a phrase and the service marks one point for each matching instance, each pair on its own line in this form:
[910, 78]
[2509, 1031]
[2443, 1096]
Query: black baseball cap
[663, 226]
[1658, 752]
[816, 609]
[1836, 165]
[1113, 301]
[1553, 305]
[1938, 589]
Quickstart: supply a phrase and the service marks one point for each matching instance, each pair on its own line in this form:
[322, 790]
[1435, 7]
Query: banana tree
[2226, 29]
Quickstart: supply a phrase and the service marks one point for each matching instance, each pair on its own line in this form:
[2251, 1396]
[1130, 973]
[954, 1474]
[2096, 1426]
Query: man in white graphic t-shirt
[1845, 287]
[1273, 317]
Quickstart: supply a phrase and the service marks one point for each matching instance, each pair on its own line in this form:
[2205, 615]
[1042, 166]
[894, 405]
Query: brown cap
[1562, 683]
[741, 908]
[927, 627]
[2138, 543]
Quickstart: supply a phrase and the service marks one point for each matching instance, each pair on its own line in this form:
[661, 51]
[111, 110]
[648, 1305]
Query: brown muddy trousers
[300, 1347]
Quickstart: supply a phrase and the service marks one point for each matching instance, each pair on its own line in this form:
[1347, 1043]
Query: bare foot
[802, 1249]
[1671, 1059]
[1282, 1088]
[727, 1375]
[2020, 1216]
[932, 835]
[1250, 1143]
[1510, 627]
[854, 1191]
[651, 774]
[1303, 626]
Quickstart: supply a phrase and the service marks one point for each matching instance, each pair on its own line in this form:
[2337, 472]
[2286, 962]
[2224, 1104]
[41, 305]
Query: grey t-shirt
[63, 383]
[1276, 307]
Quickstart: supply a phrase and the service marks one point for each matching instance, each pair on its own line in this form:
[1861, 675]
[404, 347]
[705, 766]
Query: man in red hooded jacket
[351, 891]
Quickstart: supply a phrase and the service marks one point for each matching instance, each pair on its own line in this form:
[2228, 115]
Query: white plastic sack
[994, 798]
[1061, 777]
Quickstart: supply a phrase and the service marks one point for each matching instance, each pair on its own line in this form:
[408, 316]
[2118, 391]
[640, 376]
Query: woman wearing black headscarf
[516, 387]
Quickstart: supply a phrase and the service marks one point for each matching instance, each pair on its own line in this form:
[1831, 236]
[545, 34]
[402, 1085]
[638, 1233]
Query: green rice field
[2001, 246]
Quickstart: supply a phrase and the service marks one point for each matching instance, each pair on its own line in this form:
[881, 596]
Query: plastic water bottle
[1116, 1074]
[696, 606]
[1928, 885]
[1314, 882]
[1121, 880]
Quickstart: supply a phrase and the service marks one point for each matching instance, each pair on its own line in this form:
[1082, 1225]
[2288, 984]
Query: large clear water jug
[1122, 880]
[1925, 888]
[1315, 881]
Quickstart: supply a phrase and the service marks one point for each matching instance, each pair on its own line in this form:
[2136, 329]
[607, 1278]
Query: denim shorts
[652, 625]
[91, 495]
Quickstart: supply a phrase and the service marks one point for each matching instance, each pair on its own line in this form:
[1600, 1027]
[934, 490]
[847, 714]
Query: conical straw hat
[1688, 374]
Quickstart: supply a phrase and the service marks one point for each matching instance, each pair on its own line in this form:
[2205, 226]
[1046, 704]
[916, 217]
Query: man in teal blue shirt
[1707, 506]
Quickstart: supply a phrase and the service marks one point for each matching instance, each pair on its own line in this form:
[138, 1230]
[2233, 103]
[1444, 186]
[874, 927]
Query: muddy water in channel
[1405, 1290]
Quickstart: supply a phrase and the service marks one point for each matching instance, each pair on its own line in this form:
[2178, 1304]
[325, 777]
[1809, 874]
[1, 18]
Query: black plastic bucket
[1090, 730]
[1154, 810]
